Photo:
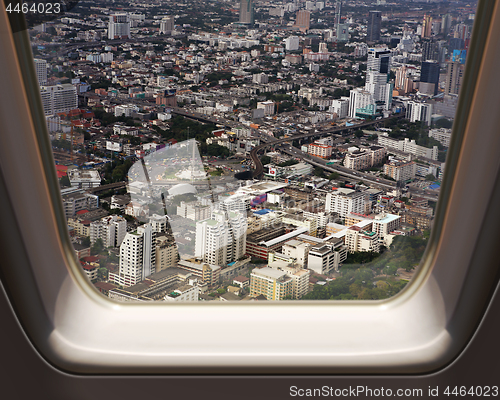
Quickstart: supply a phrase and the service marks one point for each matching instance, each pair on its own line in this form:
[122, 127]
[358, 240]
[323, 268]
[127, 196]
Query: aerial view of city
[251, 150]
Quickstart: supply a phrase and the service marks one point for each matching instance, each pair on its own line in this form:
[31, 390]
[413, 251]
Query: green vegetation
[443, 123]
[288, 163]
[265, 160]
[179, 127]
[97, 247]
[333, 176]
[370, 276]
[116, 171]
[216, 150]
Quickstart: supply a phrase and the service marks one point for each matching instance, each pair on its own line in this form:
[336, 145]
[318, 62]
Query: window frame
[420, 330]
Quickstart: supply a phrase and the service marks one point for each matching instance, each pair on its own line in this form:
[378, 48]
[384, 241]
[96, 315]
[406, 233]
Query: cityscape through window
[251, 151]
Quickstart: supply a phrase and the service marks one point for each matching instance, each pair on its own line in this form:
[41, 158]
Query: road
[343, 171]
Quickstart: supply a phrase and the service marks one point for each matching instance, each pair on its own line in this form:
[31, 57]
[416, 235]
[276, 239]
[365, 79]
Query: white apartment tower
[359, 98]
[167, 25]
[418, 111]
[222, 238]
[137, 256]
[345, 201]
[111, 230]
[58, 98]
[159, 223]
[41, 71]
[377, 74]
[292, 43]
[118, 26]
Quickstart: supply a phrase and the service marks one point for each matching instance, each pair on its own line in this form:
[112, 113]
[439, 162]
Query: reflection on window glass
[251, 152]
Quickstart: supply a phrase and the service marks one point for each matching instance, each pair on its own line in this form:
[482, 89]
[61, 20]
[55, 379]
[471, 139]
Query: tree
[430, 177]
[359, 133]
[97, 247]
[64, 181]
[333, 176]
[318, 171]
[86, 241]
[265, 160]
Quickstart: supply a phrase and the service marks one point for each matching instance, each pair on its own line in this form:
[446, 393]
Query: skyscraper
[377, 76]
[373, 29]
[222, 238]
[429, 73]
[246, 12]
[454, 76]
[427, 26]
[430, 50]
[167, 25]
[445, 23]
[137, 256]
[342, 30]
[303, 20]
[118, 26]
[41, 71]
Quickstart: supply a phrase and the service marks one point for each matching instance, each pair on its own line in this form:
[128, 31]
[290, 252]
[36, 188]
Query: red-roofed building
[82, 212]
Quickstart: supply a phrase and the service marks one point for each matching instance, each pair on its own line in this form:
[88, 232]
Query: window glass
[252, 151]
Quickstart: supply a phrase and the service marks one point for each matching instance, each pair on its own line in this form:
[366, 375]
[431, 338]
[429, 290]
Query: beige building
[365, 158]
[299, 275]
[400, 170]
[271, 283]
[357, 239]
[166, 253]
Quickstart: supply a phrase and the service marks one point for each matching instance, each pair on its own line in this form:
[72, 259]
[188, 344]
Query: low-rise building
[400, 170]
[357, 239]
[271, 283]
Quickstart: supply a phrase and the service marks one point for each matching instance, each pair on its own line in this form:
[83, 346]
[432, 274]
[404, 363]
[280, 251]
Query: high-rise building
[427, 26]
[111, 230]
[430, 50]
[419, 111]
[41, 71]
[381, 90]
[246, 12]
[357, 239]
[58, 98]
[159, 223]
[379, 60]
[292, 43]
[341, 29]
[166, 252]
[429, 73]
[454, 77]
[118, 26]
[303, 20]
[271, 283]
[358, 99]
[167, 25]
[373, 29]
[445, 23]
[222, 238]
[323, 48]
[377, 76]
[345, 201]
[338, 12]
[137, 257]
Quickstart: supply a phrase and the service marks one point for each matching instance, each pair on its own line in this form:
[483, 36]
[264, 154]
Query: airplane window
[287, 154]
[213, 158]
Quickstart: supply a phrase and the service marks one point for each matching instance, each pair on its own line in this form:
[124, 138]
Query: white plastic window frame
[420, 330]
